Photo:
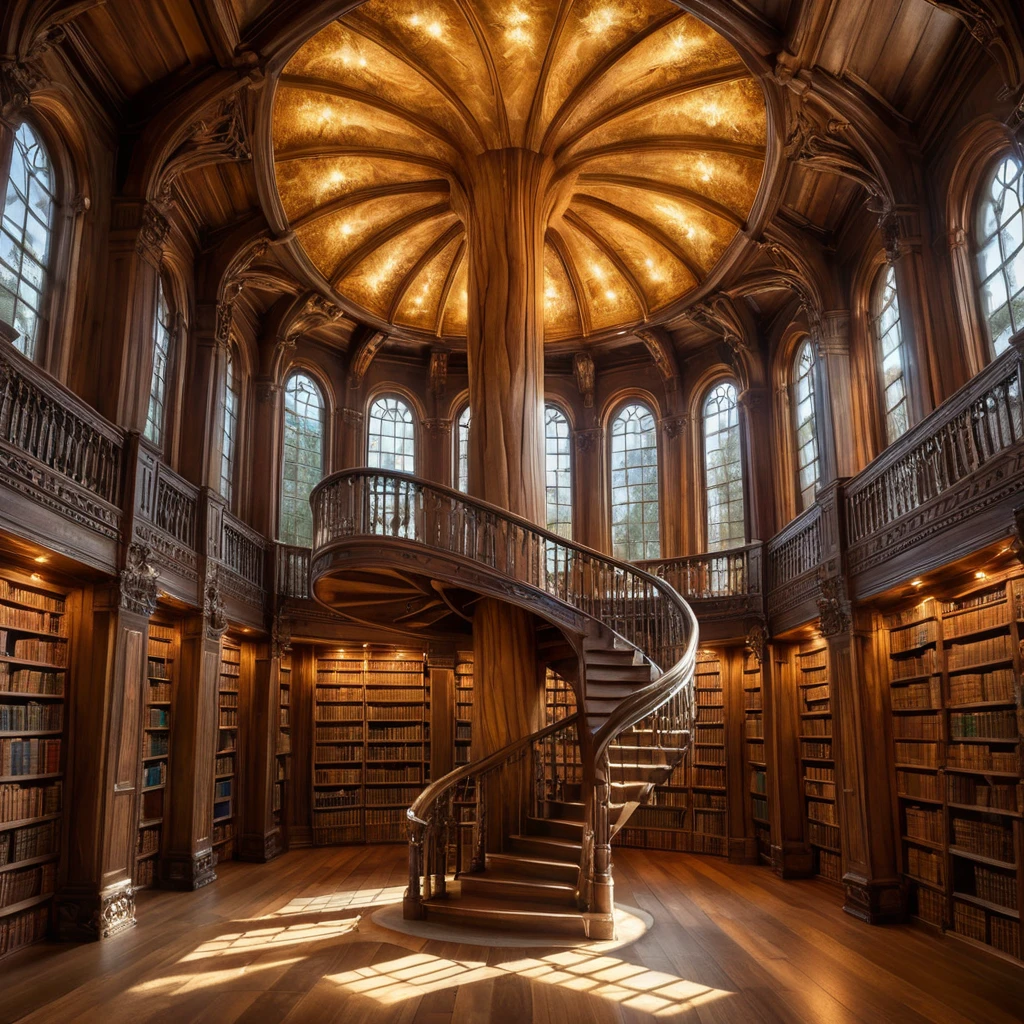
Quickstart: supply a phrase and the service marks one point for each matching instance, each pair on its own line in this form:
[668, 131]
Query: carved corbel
[757, 641]
[583, 368]
[364, 356]
[280, 636]
[153, 232]
[439, 429]
[833, 605]
[267, 391]
[138, 581]
[588, 440]
[213, 607]
[660, 349]
[674, 426]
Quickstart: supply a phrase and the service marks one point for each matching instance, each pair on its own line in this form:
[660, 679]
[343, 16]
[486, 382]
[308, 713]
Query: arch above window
[805, 425]
[1000, 241]
[303, 458]
[636, 530]
[725, 507]
[887, 328]
[391, 435]
[26, 235]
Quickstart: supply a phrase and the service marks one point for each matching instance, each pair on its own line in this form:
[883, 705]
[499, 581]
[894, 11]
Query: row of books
[338, 712]
[148, 841]
[1001, 724]
[28, 842]
[709, 823]
[678, 798]
[335, 818]
[32, 598]
[659, 817]
[925, 864]
[29, 757]
[830, 865]
[224, 765]
[709, 734]
[25, 680]
[924, 824]
[158, 693]
[923, 785]
[980, 757]
[16, 886]
[924, 664]
[910, 638]
[710, 716]
[31, 716]
[154, 774]
[997, 595]
[20, 930]
[753, 727]
[985, 838]
[966, 789]
[759, 807]
[994, 648]
[919, 612]
[925, 694]
[978, 687]
[709, 755]
[709, 777]
[157, 746]
[19, 801]
[158, 669]
[928, 755]
[813, 749]
[823, 811]
[995, 886]
[816, 727]
[823, 835]
[329, 799]
[819, 773]
[145, 873]
[24, 618]
[228, 698]
[709, 801]
[32, 649]
[158, 718]
[336, 733]
[988, 617]
[917, 727]
[821, 790]
[408, 753]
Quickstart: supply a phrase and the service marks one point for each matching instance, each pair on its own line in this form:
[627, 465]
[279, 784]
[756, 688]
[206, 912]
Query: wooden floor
[292, 941]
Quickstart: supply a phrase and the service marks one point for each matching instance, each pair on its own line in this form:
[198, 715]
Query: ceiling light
[917, 583]
[36, 576]
[41, 559]
[980, 574]
[609, 295]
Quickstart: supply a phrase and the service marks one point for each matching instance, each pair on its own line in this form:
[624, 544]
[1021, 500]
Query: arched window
[391, 439]
[723, 469]
[156, 413]
[229, 443]
[634, 449]
[303, 463]
[462, 450]
[26, 234]
[1000, 238]
[805, 425]
[558, 471]
[888, 331]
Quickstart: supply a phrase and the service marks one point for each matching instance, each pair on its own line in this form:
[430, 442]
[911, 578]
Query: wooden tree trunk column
[505, 222]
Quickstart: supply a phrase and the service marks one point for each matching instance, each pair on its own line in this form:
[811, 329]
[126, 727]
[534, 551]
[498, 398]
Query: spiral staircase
[521, 839]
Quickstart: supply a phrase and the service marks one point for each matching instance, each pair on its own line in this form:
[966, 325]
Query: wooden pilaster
[742, 841]
[441, 666]
[259, 836]
[299, 809]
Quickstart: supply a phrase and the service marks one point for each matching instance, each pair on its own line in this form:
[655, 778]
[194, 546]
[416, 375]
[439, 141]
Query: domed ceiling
[656, 128]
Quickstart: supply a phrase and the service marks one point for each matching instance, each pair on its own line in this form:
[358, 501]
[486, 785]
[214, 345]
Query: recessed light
[980, 574]
[36, 576]
[917, 583]
[41, 559]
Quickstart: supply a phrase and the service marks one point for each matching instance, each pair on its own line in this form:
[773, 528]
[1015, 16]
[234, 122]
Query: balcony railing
[293, 571]
[242, 549]
[736, 573]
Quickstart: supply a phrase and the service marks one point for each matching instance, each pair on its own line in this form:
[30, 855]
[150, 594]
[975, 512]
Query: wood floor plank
[294, 942]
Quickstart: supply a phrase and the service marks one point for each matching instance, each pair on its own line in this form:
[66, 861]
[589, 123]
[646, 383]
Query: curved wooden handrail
[430, 795]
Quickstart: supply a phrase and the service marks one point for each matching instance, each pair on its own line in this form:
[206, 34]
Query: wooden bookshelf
[955, 674]
[226, 761]
[757, 766]
[33, 694]
[283, 759]
[817, 758]
[463, 736]
[371, 746]
[154, 768]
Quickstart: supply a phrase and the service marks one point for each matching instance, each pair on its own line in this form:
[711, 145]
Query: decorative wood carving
[153, 233]
[674, 426]
[757, 641]
[583, 368]
[213, 606]
[363, 356]
[660, 348]
[138, 581]
[438, 371]
[317, 311]
[833, 605]
[588, 440]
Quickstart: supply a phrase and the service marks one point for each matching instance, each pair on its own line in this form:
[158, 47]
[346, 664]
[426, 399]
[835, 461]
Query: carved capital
[214, 615]
[583, 368]
[18, 80]
[957, 240]
[754, 400]
[834, 335]
[833, 605]
[222, 328]
[674, 426]
[438, 429]
[757, 641]
[352, 418]
[138, 581]
[267, 391]
[280, 636]
[588, 440]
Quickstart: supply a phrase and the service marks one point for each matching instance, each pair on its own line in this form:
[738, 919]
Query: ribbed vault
[654, 128]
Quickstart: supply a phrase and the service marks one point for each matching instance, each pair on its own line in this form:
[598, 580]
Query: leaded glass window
[303, 464]
[462, 451]
[391, 438]
[634, 479]
[805, 425]
[1000, 238]
[229, 442]
[26, 233]
[156, 412]
[723, 469]
[558, 471]
[888, 331]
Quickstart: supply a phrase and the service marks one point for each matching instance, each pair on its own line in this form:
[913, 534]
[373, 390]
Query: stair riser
[510, 864]
[535, 846]
[570, 811]
[482, 886]
[555, 829]
[451, 913]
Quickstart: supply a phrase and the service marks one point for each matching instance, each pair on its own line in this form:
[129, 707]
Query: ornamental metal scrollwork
[138, 580]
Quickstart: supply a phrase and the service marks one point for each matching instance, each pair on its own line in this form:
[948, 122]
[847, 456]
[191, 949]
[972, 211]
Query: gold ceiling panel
[655, 125]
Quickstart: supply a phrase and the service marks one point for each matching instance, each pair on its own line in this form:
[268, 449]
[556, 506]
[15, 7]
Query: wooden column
[792, 856]
[188, 862]
[299, 808]
[437, 452]
[200, 445]
[839, 445]
[351, 440]
[677, 528]
[756, 423]
[441, 666]
[590, 511]
[266, 438]
[740, 827]
[259, 836]
[95, 898]
[862, 743]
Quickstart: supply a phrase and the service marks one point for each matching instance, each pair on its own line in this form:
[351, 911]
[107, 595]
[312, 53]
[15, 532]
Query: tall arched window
[229, 443]
[558, 471]
[634, 465]
[723, 469]
[303, 463]
[26, 233]
[462, 450]
[805, 425]
[156, 412]
[1000, 238]
[888, 331]
[391, 439]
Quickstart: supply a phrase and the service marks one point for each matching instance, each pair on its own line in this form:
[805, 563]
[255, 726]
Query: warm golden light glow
[656, 128]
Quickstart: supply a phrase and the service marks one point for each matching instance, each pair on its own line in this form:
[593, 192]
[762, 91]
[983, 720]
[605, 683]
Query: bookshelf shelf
[225, 766]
